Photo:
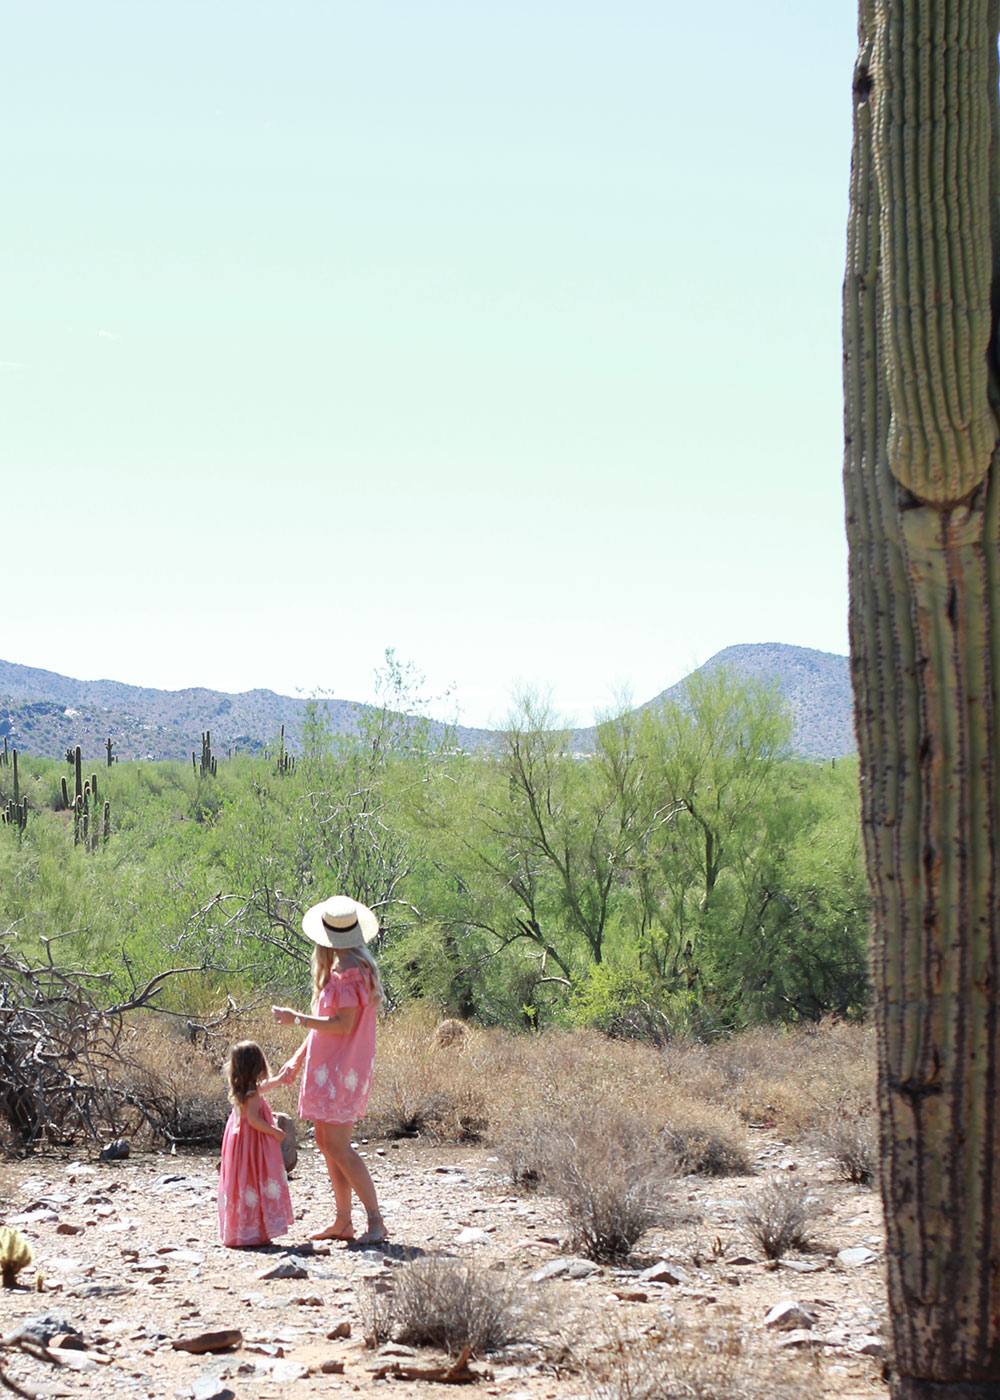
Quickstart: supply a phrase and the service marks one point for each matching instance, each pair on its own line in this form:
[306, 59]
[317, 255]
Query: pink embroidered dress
[337, 1077]
[254, 1202]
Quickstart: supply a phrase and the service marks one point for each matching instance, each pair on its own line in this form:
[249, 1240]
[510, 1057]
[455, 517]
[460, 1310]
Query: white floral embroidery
[250, 1196]
[351, 1079]
[319, 1074]
[272, 1188]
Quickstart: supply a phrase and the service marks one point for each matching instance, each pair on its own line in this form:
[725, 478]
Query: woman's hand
[284, 1015]
[288, 1073]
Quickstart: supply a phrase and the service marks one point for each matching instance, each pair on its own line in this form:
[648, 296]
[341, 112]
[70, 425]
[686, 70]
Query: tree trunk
[923, 522]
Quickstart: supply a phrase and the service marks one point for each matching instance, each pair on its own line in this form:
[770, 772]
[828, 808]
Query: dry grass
[780, 1216]
[439, 1301]
[456, 1082]
[713, 1365]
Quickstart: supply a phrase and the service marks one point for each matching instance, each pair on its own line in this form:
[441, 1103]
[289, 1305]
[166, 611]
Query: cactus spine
[923, 520]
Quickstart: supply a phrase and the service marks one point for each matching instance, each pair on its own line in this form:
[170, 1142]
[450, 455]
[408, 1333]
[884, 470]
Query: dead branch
[459, 1372]
[69, 1065]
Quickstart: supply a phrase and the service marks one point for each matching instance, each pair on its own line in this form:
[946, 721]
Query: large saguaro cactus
[923, 518]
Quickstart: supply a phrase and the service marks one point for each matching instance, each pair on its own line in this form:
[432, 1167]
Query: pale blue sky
[507, 336]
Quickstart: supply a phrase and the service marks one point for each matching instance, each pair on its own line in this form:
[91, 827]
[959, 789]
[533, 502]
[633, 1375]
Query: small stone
[869, 1346]
[788, 1315]
[332, 1367]
[65, 1227]
[552, 1269]
[804, 1266]
[664, 1273]
[798, 1337]
[210, 1388]
[342, 1329]
[225, 1340]
[631, 1295]
[286, 1270]
[582, 1268]
[472, 1235]
[856, 1257]
[115, 1151]
[308, 1300]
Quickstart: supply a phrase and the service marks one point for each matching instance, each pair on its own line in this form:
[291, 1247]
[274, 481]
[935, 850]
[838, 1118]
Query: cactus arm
[933, 170]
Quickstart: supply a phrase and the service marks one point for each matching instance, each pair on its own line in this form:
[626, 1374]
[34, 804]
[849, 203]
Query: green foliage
[687, 878]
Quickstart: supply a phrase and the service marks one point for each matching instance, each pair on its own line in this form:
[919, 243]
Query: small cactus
[15, 1255]
[110, 748]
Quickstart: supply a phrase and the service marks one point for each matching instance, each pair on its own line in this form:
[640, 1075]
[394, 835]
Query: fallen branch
[458, 1373]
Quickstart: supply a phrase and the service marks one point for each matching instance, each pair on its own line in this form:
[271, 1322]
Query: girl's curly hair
[245, 1068]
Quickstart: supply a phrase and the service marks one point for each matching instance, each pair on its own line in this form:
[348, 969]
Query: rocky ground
[128, 1260]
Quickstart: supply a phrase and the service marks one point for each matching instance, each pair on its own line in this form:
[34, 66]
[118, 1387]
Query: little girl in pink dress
[339, 1053]
[254, 1202]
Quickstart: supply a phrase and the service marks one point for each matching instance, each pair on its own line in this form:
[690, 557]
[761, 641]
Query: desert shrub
[449, 1303]
[779, 1216]
[850, 1136]
[703, 1142]
[611, 1178]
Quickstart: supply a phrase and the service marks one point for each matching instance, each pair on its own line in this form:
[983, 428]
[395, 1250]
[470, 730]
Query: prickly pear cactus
[923, 520]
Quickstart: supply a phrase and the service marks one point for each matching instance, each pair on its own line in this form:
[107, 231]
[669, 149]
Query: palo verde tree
[921, 294]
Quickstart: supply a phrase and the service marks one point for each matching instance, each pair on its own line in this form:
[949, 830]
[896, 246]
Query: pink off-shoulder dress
[337, 1077]
[254, 1201]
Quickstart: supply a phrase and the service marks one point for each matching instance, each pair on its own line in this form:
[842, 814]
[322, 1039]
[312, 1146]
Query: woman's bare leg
[336, 1148]
[342, 1227]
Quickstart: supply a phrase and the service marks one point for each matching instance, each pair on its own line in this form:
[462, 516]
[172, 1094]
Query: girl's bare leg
[336, 1148]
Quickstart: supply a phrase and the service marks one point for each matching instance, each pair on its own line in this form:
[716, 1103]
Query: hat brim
[357, 936]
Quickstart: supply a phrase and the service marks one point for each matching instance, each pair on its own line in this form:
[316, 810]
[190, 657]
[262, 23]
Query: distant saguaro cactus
[923, 519]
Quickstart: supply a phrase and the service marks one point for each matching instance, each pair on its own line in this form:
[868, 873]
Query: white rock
[472, 1235]
[788, 1314]
[552, 1269]
[869, 1346]
[854, 1258]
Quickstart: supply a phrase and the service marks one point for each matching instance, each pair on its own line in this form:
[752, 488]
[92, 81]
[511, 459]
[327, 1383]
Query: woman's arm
[340, 1023]
[289, 1071]
[251, 1109]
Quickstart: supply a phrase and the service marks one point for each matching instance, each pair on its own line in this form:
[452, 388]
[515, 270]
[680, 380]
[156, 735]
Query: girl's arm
[251, 1109]
[340, 1023]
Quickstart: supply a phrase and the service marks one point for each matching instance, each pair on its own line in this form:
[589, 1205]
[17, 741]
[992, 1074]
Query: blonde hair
[245, 1068]
[323, 960]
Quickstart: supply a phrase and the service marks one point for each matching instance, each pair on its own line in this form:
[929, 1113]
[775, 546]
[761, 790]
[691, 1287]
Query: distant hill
[815, 684]
[45, 713]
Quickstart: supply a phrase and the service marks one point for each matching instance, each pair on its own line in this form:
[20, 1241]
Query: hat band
[340, 928]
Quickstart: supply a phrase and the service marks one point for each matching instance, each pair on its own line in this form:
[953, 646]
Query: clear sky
[505, 335]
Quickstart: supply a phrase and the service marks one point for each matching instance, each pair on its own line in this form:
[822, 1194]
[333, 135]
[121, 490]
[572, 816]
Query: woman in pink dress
[254, 1204]
[338, 1053]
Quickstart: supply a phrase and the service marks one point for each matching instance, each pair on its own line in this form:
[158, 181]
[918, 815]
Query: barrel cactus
[923, 521]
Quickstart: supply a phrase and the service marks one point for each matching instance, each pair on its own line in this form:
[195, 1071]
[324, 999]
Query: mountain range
[44, 713]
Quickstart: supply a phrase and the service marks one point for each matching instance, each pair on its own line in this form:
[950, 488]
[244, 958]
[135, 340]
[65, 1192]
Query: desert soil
[128, 1256]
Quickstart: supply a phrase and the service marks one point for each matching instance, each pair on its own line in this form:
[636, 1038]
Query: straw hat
[340, 922]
